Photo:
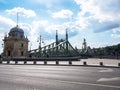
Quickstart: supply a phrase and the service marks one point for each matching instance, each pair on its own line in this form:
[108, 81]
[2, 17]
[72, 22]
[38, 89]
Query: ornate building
[15, 44]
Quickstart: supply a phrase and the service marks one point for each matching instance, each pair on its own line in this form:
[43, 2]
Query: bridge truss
[59, 48]
[63, 49]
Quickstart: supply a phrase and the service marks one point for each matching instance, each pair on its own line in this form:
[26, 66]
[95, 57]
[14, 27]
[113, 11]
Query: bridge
[59, 48]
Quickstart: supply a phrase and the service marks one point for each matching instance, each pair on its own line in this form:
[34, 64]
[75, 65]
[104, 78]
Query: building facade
[15, 44]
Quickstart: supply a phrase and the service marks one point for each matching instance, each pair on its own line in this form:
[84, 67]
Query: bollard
[57, 62]
[34, 62]
[8, 62]
[101, 63]
[118, 64]
[25, 62]
[45, 62]
[70, 62]
[84, 63]
[0, 61]
[16, 62]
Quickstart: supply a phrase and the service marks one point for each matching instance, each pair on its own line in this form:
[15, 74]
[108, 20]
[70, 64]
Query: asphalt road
[44, 77]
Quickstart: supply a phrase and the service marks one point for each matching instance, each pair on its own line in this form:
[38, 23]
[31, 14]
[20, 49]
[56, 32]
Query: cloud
[63, 14]
[5, 25]
[5, 20]
[61, 28]
[105, 12]
[101, 10]
[36, 27]
[104, 26]
[116, 33]
[22, 11]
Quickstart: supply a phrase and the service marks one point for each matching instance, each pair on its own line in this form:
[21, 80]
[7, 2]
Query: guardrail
[57, 61]
[45, 60]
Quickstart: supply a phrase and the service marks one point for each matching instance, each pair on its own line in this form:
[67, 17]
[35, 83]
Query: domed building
[15, 44]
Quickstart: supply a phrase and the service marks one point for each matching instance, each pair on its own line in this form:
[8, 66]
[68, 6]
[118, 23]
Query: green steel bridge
[59, 48]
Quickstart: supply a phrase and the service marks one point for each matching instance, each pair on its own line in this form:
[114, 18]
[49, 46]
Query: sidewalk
[96, 61]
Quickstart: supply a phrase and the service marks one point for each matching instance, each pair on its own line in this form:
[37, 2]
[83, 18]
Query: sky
[98, 21]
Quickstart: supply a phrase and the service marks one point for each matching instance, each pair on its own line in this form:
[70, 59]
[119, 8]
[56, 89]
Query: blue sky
[96, 20]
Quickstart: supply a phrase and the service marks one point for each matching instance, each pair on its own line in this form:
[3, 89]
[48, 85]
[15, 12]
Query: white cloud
[63, 14]
[116, 33]
[35, 29]
[116, 30]
[5, 25]
[61, 28]
[53, 27]
[102, 10]
[99, 15]
[22, 11]
[82, 21]
[5, 20]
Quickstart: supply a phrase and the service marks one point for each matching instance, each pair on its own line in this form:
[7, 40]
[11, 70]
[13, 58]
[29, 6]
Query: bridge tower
[66, 41]
[84, 46]
[57, 42]
[66, 34]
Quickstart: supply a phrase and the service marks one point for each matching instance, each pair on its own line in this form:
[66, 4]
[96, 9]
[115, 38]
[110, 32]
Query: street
[48, 77]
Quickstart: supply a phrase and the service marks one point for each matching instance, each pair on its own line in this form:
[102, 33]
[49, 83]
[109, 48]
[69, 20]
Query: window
[9, 53]
[22, 45]
[21, 36]
[22, 53]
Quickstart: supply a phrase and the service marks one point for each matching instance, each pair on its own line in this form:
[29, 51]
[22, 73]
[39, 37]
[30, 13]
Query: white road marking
[108, 79]
[106, 70]
[90, 84]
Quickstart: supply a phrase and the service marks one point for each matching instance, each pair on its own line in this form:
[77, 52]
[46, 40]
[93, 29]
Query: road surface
[46, 77]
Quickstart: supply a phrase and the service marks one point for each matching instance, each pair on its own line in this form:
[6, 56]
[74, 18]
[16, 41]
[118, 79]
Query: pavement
[46, 77]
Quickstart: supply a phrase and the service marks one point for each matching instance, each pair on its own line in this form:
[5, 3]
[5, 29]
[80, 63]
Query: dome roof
[16, 29]
[16, 32]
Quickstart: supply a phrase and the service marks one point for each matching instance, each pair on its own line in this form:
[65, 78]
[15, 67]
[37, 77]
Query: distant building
[84, 46]
[86, 50]
[15, 44]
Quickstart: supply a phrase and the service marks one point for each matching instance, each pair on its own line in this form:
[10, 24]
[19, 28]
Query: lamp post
[39, 45]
